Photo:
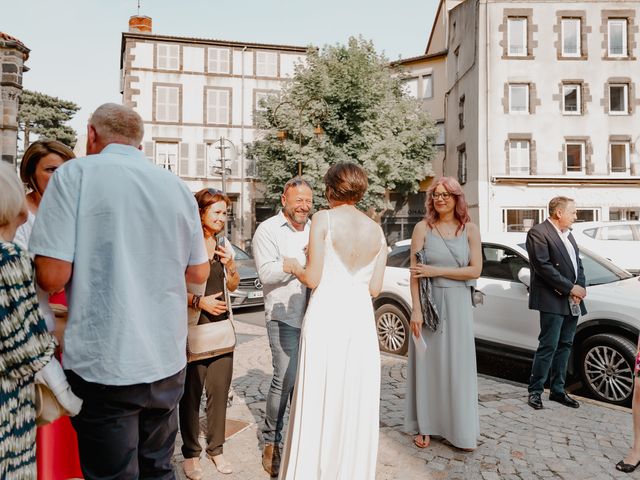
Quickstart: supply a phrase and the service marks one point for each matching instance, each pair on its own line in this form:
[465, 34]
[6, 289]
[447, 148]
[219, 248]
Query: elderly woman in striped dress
[25, 345]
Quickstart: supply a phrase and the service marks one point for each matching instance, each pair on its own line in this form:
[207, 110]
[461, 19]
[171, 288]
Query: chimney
[140, 23]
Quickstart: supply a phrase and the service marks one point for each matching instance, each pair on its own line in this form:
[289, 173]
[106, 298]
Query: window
[575, 157]
[167, 156]
[517, 37]
[617, 29]
[587, 214]
[219, 60]
[570, 37]
[427, 86]
[260, 97]
[501, 263]
[619, 155]
[218, 107]
[618, 100]
[411, 85]
[519, 157]
[617, 232]
[624, 213]
[571, 99]
[167, 104]
[168, 56]
[519, 98]
[462, 165]
[520, 219]
[399, 257]
[461, 113]
[266, 64]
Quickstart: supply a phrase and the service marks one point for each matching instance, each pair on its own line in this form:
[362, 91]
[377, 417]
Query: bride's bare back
[356, 238]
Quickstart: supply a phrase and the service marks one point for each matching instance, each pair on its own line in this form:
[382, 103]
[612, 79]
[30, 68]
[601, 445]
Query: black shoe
[564, 399]
[535, 401]
[626, 467]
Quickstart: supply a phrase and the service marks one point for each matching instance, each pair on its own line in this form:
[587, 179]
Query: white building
[541, 100]
[192, 92]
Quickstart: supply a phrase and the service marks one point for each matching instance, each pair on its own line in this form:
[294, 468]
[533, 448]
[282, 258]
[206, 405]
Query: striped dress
[25, 347]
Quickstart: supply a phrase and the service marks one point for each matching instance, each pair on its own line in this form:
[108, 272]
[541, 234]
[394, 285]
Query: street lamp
[222, 144]
[318, 117]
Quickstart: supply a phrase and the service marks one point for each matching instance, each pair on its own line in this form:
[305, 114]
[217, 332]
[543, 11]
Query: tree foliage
[46, 116]
[367, 118]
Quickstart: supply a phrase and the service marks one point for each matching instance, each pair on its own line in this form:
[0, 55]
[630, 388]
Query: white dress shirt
[564, 236]
[284, 295]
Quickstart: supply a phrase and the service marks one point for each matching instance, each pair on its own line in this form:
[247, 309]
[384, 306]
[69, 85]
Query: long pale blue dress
[442, 387]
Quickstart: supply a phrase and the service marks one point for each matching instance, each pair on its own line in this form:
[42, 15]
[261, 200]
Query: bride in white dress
[334, 418]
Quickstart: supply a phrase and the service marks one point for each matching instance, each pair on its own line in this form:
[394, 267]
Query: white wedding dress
[334, 419]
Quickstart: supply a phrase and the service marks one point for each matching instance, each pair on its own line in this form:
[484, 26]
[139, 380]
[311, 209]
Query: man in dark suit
[557, 291]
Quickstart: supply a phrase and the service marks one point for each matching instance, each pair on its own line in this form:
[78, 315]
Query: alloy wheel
[608, 373]
[391, 331]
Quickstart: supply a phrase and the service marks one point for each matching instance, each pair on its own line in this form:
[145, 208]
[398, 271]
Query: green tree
[46, 116]
[367, 118]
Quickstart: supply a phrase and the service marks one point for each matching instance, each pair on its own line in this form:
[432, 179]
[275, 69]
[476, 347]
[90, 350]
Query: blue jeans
[284, 341]
[554, 348]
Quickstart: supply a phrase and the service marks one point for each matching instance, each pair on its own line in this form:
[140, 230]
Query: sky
[75, 44]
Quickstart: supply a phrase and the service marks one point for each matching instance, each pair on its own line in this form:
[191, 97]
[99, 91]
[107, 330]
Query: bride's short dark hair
[346, 182]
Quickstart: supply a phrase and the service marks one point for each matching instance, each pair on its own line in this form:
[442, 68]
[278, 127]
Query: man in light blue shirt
[283, 235]
[124, 237]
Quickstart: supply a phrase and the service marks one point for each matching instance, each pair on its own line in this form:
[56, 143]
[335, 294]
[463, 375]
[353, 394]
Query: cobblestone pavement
[516, 441]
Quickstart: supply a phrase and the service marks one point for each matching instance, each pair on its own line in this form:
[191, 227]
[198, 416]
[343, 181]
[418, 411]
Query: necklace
[447, 230]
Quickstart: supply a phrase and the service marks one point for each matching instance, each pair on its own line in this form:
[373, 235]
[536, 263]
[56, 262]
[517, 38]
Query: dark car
[249, 293]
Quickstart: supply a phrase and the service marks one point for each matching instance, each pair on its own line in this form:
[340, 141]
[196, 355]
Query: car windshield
[240, 254]
[399, 256]
[598, 270]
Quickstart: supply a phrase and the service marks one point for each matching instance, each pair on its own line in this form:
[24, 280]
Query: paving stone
[516, 442]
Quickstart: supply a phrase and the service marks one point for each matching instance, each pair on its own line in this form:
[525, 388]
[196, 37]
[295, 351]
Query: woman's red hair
[461, 211]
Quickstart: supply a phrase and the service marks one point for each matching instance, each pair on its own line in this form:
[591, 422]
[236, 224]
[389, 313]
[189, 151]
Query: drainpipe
[242, 179]
[488, 117]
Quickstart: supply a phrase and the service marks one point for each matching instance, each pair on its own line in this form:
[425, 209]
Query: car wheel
[606, 366]
[392, 325]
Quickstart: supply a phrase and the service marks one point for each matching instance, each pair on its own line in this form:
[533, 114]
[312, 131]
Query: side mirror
[524, 275]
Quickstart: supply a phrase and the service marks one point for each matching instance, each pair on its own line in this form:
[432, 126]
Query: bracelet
[195, 301]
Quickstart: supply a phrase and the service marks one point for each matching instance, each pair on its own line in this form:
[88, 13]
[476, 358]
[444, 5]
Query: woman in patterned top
[25, 345]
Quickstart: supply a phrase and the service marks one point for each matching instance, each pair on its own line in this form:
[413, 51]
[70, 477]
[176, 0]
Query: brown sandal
[422, 441]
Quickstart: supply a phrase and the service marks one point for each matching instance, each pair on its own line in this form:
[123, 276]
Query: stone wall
[13, 54]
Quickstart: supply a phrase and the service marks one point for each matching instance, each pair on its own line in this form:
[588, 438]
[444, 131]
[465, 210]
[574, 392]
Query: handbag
[48, 408]
[477, 297]
[430, 314]
[211, 339]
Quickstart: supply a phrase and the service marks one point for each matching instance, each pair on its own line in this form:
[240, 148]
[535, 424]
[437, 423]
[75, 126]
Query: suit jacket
[552, 272]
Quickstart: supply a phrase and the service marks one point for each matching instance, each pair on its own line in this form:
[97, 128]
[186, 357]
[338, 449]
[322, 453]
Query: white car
[618, 241]
[605, 342]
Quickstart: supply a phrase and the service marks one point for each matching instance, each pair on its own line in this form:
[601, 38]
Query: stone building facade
[13, 54]
[193, 92]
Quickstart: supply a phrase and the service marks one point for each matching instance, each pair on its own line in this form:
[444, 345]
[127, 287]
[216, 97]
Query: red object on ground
[57, 451]
[57, 443]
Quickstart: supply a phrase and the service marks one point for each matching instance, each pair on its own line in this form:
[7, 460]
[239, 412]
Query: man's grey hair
[296, 182]
[558, 203]
[12, 197]
[116, 123]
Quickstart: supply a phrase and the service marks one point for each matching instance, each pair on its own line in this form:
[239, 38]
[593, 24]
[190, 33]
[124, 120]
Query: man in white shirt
[283, 235]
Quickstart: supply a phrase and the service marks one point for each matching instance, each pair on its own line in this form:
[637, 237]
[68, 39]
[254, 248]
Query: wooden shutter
[200, 160]
[184, 160]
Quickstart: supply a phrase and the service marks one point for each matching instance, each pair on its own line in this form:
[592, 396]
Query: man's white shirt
[285, 296]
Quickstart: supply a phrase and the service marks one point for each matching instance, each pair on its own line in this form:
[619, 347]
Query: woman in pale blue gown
[442, 385]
